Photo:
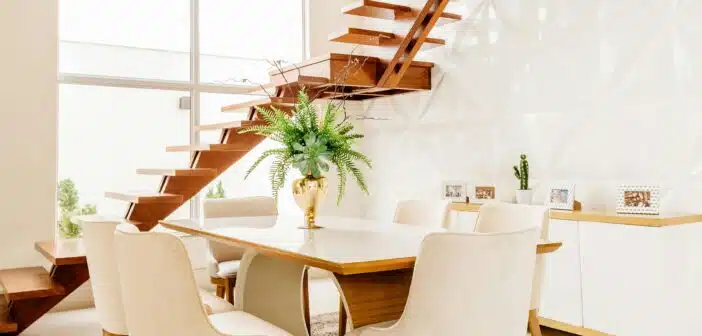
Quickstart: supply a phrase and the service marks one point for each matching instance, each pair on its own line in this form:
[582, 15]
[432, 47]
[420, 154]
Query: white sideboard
[623, 275]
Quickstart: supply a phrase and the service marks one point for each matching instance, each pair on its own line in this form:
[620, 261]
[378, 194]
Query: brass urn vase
[308, 192]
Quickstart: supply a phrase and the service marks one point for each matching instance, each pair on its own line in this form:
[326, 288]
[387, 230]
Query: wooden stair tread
[389, 11]
[273, 101]
[235, 147]
[228, 124]
[62, 252]
[144, 197]
[379, 38]
[178, 171]
[6, 326]
[28, 283]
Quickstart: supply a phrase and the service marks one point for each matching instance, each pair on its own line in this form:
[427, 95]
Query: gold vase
[308, 192]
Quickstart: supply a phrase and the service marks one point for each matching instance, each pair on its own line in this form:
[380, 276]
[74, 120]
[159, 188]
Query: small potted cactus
[521, 172]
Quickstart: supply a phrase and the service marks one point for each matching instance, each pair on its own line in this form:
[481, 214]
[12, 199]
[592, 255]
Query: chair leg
[534, 325]
[220, 291]
[342, 318]
[306, 301]
[229, 286]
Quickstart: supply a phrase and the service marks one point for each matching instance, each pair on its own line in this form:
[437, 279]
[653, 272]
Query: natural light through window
[125, 66]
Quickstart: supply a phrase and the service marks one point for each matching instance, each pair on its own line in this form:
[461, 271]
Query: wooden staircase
[34, 291]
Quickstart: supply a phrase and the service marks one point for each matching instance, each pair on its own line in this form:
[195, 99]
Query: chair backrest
[420, 212]
[239, 207]
[501, 217]
[235, 207]
[471, 284]
[158, 286]
[98, 239]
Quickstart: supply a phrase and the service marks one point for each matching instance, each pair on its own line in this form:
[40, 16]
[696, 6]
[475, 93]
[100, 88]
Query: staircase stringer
[412, 43]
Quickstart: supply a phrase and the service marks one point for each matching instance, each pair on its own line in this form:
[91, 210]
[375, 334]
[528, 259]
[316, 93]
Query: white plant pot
[524, 196]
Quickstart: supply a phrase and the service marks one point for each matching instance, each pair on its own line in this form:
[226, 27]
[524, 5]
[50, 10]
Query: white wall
[598, 93]
[28, 33]
[324, 18]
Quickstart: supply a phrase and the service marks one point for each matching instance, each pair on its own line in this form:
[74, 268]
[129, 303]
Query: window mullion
[194, 92]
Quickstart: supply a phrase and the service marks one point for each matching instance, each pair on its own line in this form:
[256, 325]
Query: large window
[126, 66]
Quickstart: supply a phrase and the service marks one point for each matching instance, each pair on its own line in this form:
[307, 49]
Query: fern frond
[358, 175]
[341, 174]
[358, 156]
[264, 155]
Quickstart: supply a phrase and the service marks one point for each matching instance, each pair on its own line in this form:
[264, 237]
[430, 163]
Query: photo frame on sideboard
[561, 196]
[481, 193]
[455, 191]
[638, 199]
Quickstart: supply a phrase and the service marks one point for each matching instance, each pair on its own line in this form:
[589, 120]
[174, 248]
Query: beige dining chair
[487, 295]
[98, 239]
[225, 259]
[422, 212]
[411, 212]
[156, 307]
[500, 217]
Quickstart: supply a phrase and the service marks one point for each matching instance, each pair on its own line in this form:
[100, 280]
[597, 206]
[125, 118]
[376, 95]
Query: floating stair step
[277, 102]
[388, 11]
[6, 326]
[144, 197]
[29, 283]
[312, 81]
[63, 252]
[178, 171]
[228, 124]
[236, 147]
[379, 38]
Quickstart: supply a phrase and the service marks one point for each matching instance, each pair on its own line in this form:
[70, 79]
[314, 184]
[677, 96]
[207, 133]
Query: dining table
[371, 263]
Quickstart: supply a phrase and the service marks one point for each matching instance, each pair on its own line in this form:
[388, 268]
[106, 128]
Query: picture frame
[455, 191]
[480, 194]
[561, 196]
[638, 199]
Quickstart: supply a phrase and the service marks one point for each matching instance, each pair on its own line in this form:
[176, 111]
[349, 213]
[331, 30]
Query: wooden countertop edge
[580, 331]
[636, 220]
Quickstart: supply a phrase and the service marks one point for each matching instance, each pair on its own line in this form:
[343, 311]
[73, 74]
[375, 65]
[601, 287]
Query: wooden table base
[374, 297]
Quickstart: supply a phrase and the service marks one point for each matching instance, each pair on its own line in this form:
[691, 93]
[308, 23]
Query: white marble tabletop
[343, 245]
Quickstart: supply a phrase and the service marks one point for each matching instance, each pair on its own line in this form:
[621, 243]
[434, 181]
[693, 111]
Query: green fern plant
[310, 145]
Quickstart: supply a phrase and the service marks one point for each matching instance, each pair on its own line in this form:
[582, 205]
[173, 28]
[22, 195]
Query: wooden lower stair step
[379, 38]
[62, 252]
[390, 11]
[29, 283]
[235, 147]
[178, 171]
[145, 197]
[277, 102]
[6, 326]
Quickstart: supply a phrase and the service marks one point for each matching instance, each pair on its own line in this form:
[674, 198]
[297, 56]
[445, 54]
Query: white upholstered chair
[420, 212]
[224, 261]
[411, 212]
[467, 284]
[98, 238]
[160, 295]
[501, 217]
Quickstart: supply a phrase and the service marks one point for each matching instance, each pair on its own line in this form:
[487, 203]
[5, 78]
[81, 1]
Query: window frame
[194, 86]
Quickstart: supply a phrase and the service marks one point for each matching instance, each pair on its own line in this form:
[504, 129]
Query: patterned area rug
[325, 324]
